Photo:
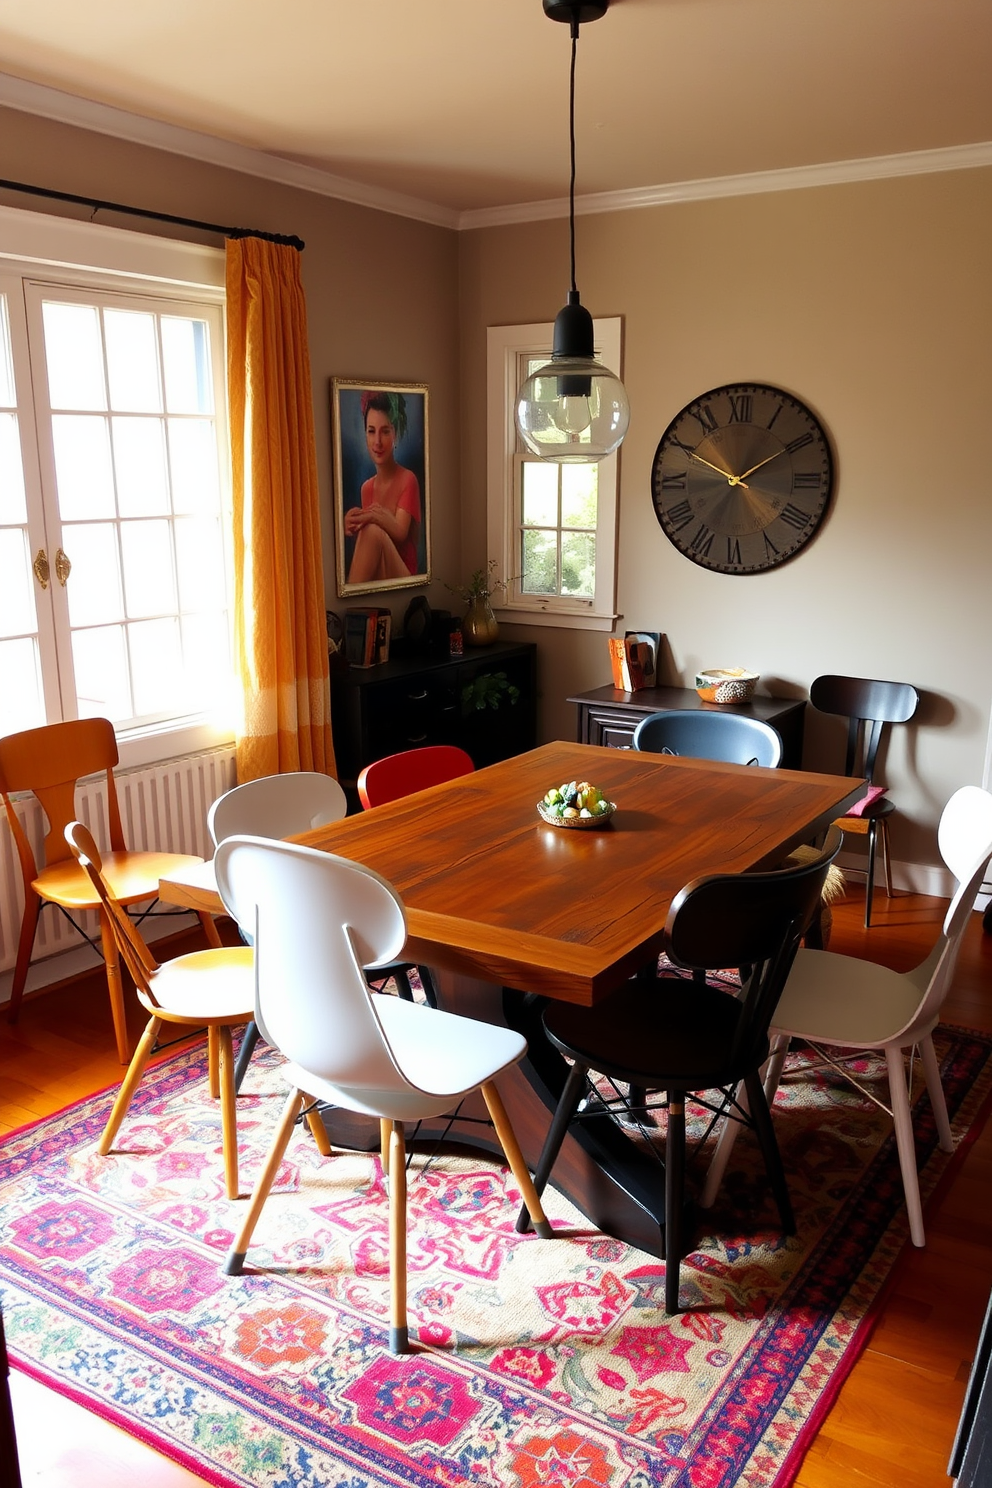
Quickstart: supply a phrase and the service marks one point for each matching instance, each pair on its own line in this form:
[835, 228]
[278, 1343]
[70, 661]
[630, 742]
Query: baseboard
[908, 878]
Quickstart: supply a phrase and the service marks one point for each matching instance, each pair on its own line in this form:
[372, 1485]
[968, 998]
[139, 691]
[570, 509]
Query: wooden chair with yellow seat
[214, 989]
[49, 761]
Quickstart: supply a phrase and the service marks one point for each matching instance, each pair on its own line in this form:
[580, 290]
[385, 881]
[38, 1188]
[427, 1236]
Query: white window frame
[507, 351]
[63, 251]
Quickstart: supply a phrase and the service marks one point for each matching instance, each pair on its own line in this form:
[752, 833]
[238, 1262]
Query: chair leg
[429, 985]
[674, 1198]
[765, 1132]
[247, 1049]
[399, 1337]
[515, 1158]
[129, 1085]
[931, 1069]
[234, 1265]
[210, 930]
[870, 884]
[213, 1063]
[904, 1141]
[115, 987]
[25, 945]
[402, 980]
[773, 1068]
[884, 828]
[721, 1154]
[317, 1128]
[385, 1131]
[564, 1111]
[228, 1109]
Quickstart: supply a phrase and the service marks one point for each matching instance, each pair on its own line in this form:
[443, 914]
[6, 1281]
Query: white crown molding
[66, 108]
[833, 173]
[102, 118]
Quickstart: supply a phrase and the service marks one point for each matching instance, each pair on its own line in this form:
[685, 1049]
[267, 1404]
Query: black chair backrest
[868, 706]
[711, 736]
[749, 920]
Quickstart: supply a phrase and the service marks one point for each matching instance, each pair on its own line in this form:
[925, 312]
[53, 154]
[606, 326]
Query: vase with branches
[479, 625]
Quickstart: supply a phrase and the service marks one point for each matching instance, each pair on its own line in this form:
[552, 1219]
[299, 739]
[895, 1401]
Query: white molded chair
[846, 1003]
[277, 806]
[320, 923]
[213, 988]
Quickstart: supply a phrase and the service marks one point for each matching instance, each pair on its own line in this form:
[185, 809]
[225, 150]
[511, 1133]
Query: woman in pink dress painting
[386, 526]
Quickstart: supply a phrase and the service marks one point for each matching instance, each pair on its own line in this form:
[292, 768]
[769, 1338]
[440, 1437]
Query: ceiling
[463, 104]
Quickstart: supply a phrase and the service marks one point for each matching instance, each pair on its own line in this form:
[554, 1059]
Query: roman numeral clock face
[742, 478]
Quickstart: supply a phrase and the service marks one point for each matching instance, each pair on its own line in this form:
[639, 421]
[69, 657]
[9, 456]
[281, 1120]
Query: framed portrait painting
[381, 478]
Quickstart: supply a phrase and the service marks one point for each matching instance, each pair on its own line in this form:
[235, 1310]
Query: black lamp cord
[571, 146]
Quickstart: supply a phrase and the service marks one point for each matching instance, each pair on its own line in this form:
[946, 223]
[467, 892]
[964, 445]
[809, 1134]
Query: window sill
[169, 741]
[561, 619]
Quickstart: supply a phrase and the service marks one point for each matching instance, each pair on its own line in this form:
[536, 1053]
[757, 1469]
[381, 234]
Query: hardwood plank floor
[894, 1419]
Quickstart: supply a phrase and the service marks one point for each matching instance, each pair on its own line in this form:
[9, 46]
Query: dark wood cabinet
[608, 716]
[408, 702]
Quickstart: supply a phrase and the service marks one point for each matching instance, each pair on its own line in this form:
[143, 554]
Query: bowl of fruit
[577, 803]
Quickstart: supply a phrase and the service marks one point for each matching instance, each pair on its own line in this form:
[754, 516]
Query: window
[552, 529]
[113, 512]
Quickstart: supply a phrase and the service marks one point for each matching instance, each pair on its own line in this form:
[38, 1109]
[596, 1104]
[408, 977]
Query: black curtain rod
[109, 206]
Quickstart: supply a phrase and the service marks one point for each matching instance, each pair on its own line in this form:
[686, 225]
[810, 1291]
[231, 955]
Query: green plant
[488, 690]
[483, 584]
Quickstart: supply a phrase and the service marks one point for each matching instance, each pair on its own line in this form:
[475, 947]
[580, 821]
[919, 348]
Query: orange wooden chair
[49, 761]
[412, 770]
[391, 779]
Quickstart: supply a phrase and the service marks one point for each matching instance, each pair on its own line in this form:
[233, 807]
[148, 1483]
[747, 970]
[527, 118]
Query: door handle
[63, 568]
[41, 569]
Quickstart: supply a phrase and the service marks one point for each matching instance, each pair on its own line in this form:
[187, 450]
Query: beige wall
[381, 290]
[871, 302]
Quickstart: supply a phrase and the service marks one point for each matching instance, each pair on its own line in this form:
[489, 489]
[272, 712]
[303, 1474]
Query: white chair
[846, 1003]
[212, 988]
[319, 922]
[274, 806]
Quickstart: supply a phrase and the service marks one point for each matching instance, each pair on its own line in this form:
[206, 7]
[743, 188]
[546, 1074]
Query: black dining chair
[870, 707]
[731, 737]
[673, 1035]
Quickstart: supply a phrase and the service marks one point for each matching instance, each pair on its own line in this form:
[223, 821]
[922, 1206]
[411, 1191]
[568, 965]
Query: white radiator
[163, 807]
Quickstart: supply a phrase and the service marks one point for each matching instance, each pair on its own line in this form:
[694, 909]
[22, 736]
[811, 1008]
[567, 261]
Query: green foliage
[488, 690]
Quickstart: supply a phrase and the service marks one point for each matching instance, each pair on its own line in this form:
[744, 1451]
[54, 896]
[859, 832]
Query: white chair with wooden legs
[319, 924]
[49, 761]
[845, 1003]
[214, 989]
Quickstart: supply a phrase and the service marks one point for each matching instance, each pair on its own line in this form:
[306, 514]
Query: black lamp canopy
[573, 410]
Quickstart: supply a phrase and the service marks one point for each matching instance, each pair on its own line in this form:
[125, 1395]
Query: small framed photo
[381, 485]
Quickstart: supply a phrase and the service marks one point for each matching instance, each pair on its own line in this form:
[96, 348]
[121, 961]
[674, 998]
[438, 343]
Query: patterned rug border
[791, 1461]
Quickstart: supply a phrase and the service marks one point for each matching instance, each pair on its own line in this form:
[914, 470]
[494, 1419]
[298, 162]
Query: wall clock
[742, 478]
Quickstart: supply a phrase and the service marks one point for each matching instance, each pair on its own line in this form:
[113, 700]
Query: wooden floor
[894, 1420]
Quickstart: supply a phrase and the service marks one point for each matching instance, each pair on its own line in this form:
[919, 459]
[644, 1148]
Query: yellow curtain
[280, 631]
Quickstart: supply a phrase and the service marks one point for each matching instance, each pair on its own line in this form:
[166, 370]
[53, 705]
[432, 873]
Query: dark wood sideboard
[608, 716]
[410, 701]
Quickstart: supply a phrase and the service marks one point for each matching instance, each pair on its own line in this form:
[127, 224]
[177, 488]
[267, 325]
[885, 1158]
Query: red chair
[413, 770]
[391, 779]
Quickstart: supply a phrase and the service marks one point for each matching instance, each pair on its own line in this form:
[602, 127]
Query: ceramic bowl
[726, 685]
[582, 823]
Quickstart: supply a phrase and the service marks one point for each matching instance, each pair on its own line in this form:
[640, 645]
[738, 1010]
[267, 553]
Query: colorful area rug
[540, 1364]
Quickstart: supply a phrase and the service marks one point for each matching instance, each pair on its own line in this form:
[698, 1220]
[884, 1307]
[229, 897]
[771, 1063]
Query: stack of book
[366, 635]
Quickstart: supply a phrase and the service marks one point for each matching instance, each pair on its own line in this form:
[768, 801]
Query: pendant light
[573, 410]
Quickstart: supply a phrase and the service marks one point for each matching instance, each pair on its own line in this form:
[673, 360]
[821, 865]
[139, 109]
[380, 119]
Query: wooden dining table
[509, 911]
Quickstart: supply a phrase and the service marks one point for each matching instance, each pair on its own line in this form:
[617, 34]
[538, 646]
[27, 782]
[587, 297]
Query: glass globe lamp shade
[572, 410]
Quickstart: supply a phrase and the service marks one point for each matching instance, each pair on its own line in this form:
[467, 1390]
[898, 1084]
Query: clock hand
[732, 480]
[762, 462]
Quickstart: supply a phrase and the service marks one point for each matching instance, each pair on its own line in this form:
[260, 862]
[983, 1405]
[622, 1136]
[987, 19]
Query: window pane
[578, 564]
[12, 507]
[193, 456]
[149, 576]
[540, 493]
[20, 685]
[75, 356]
[6, 358]
[100, 665]
[540, 563]
[83, 471]
[139, 460]
[132, 361]
[579, 489]
[207, 653]
[157, 667]
[186, 354]
[17, 611]
[94, 586]
[200, 563]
